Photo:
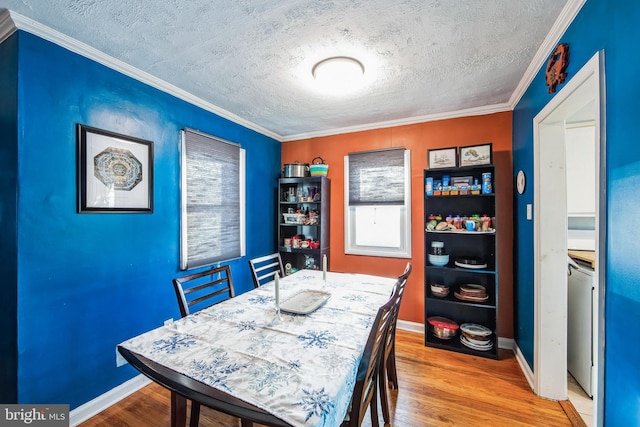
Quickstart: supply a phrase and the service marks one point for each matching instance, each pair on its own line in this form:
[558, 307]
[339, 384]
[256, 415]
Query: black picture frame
[476, 155]
[442, 158]
[114, 172]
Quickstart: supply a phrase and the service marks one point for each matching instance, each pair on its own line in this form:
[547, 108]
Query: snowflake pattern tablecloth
[300, 368]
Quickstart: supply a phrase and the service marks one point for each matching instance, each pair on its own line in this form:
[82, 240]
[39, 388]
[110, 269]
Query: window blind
[377, 177]
[212, 193]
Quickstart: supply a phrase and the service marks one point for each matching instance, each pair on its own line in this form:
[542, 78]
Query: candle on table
[324, 267]
[277, 286]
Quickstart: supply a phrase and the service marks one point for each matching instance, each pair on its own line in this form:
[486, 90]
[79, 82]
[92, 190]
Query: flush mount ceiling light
[338, 74]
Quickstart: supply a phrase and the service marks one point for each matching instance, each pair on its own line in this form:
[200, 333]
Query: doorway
[550, 232]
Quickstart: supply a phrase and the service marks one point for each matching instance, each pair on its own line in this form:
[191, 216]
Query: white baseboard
[410, 326]
[505, 343]
[102, 402]
[524, 366]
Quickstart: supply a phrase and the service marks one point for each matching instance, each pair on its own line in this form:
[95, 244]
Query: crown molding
[7, 27]
[566, 17]
[476, 111]
[9, 19]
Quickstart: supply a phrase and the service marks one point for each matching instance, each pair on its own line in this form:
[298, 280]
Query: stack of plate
[473, 293]
[473, 263]
[476, 337]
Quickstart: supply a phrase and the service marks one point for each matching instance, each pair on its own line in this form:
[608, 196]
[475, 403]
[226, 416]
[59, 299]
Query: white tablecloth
[301, 368]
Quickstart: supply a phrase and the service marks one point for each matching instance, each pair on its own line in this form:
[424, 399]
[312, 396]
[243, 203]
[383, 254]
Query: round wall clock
[521, 182]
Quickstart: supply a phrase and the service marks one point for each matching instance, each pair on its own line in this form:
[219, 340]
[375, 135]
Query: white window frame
[350, 221]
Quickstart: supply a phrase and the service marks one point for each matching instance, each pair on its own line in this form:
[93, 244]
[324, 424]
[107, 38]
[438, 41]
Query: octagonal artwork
[115, 172]
[117, 168]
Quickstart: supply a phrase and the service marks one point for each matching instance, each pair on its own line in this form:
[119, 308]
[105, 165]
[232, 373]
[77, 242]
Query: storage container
[295, 170]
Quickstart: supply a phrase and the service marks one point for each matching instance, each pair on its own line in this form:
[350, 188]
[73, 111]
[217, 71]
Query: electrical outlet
[168, 322]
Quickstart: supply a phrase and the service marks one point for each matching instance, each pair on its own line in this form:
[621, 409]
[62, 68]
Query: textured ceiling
[253, 58]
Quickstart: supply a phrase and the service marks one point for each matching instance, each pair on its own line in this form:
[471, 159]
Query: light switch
[529, 211]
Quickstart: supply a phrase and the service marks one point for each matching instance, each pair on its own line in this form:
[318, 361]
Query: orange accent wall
[419, 138]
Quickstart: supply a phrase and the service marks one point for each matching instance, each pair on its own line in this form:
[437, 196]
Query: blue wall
[8, 226]
[611, 26]
[89, 281]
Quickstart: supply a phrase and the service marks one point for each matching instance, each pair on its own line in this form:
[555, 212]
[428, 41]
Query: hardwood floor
[436, 388]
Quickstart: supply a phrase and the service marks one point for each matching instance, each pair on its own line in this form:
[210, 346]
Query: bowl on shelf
[442, 327]
[439, 260]
[438, 290]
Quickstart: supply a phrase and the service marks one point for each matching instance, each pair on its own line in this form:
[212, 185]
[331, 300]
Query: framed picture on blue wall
[114, 172]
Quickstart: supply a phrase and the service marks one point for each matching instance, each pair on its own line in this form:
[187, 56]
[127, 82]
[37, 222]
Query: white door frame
[550, 236]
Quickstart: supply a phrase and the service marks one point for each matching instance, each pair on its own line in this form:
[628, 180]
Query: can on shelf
[428, 186]
[486, 183]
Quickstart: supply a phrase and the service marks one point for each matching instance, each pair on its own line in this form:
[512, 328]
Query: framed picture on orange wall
[476, 155]
[442, 158]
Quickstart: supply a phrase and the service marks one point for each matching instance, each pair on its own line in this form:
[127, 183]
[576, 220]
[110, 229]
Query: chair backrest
[398, 289]
[398, 292]
[406, 273]
[203, 289]
[264, 269]
[365, 388]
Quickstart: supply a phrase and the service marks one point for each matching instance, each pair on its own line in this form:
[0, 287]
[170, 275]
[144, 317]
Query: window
[212, 188]
[378, 203]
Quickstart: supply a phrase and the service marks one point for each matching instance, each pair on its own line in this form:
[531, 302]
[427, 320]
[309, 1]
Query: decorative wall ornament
[557, 66]
[115, 172]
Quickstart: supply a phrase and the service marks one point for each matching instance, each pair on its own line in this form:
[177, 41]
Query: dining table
[284, 354]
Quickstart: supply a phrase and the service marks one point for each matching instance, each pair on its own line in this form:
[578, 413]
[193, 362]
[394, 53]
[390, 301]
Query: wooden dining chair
[391, 344]
[365, 391]
[264, 269]
[407, 271]
[388, 377]
[201, 290]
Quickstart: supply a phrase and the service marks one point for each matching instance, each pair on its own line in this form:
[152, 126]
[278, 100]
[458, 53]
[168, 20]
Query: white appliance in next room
[580, 323]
